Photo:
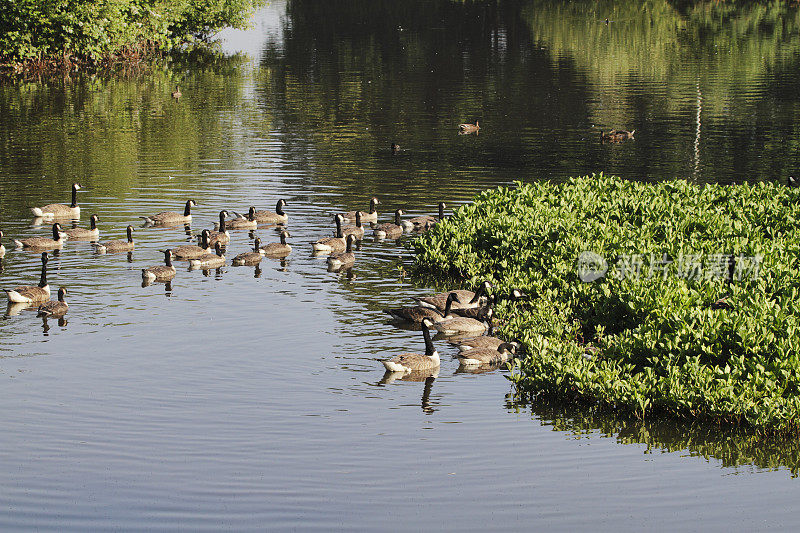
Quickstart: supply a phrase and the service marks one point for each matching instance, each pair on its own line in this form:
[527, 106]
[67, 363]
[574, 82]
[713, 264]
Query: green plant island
[662, 298]
[75, 34]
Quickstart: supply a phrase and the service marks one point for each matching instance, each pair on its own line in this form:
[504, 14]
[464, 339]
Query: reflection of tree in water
[732, 448]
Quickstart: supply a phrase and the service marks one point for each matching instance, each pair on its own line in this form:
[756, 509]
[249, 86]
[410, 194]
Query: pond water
[251, 398]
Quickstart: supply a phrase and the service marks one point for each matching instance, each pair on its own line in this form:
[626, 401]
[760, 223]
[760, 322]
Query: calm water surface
[253, 398]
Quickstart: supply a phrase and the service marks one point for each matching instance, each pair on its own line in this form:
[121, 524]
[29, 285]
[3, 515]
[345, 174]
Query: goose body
[169, 218]
[357, 231]
[332, 244]
[476, 312]
[371, 216]
[43, 243]
[410, 362]
[116, 246]
[424, 222]
[30, 294]
[792, 182]
[222, 236]
[278, 249]
[273, 217]
[467, 298]
[469, 128]
[414, 314]
[616, 135]
[487, 356]
[56, 308]
[83, 234]
[2, 248]
[459, 325]
[53, 211]
[163, 272]
[247, 221]
[209, 260]
[186, 252]
[485, 341]
[250, 258]
[343, 259]
[388, 230]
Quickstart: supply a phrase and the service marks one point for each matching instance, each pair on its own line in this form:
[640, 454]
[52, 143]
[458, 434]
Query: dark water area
[253, 398]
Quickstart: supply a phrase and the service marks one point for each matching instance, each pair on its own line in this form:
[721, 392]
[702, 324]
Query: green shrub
[91, 31]
[659, 342]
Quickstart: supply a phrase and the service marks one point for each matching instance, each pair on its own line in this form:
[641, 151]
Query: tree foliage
[86, 30]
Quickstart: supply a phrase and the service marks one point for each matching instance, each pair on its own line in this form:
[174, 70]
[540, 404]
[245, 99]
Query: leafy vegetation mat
[655, 298]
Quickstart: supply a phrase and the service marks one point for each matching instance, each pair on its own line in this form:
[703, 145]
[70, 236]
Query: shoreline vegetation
[79, 35]
[652, 299]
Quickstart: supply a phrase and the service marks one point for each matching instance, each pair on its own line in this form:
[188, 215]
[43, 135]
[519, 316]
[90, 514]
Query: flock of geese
[463, 315]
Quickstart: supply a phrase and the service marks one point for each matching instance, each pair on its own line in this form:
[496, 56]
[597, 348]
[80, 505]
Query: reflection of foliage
[733, 447]
[102, 130]
[654, 42]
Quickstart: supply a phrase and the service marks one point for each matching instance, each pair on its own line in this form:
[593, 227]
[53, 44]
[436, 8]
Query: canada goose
[467, 128]
[43, 243]
[372, 216]
[409, 362]
[467, 298]
[51, 211]
[332, 244]
[793, 182]
[414, 314]
[459, 325]
[171, 218]
[222, 236]
[477, 312]
[277, 217]
[346, 258]
[278, 249]
[30, 294]
[192, 251]
[83, 234]
[424, 221]
[250, 258]
[485, 341]
[616, 136]
[247, 221]
[117, 245]
[487, 356]
[357, 231]
[163, 272]
[388, 230]
[176, 94]
[2, 248]
[209, 260]
[55, 309]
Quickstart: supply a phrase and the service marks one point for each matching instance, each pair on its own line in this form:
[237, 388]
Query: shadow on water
[733, 448]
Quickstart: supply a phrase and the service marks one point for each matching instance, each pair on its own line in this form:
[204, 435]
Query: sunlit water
[253, 399]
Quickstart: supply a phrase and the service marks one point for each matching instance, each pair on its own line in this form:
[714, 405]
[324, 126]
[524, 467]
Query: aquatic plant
[664, 298]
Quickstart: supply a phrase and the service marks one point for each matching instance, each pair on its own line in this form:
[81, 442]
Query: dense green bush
[660, 341]
[85, 30]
